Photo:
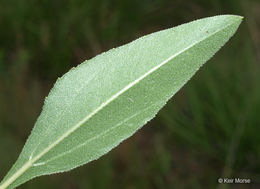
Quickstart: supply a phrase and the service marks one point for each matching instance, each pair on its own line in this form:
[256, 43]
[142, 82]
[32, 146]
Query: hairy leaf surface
[105, 100]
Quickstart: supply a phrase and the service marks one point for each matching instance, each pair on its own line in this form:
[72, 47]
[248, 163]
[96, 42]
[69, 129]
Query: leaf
[105, 100]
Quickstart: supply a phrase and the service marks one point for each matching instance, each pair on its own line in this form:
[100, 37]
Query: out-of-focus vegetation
[210, 129]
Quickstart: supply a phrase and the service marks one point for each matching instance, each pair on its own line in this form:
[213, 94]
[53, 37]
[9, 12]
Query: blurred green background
[210, 129]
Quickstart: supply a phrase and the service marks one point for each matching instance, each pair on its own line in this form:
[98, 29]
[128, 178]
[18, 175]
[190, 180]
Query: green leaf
[105, 100]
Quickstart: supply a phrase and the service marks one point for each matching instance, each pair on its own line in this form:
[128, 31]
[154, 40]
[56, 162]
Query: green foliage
[95, 106]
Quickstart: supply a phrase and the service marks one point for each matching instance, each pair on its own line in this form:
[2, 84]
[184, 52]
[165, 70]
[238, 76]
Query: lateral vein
[95, 137]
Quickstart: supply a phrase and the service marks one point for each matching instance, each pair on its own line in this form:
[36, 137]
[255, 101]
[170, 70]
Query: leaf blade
[136, 89]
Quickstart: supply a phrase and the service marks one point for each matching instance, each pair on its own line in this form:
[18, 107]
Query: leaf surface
[105, 100]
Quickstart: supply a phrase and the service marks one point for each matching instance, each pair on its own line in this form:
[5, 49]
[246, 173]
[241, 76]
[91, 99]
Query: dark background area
[210, 129]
